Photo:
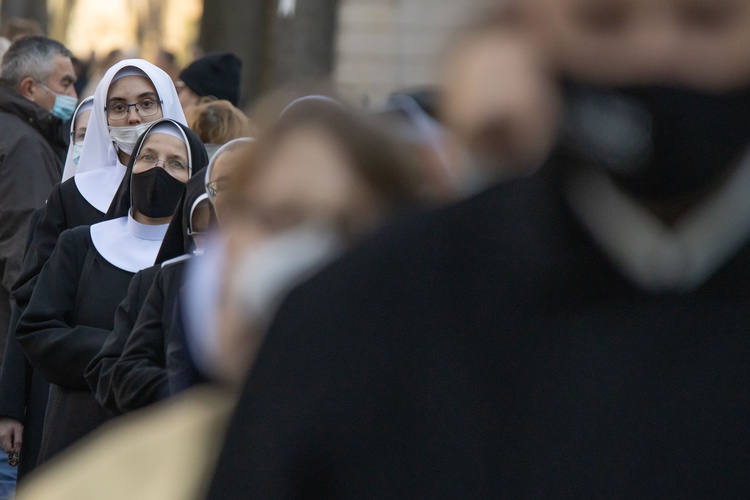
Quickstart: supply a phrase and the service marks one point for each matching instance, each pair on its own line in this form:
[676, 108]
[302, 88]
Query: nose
[133, 117]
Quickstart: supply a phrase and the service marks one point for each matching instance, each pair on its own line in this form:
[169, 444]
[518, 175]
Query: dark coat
[491, 350]
[32, 145]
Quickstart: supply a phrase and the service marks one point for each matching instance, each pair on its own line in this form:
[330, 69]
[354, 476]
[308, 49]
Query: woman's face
[306, 179]
[163, 151]
[132, 90]
[223, 168]
[81, 125]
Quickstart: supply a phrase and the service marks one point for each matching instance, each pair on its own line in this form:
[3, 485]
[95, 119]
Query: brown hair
[218, 122]
[374, 156]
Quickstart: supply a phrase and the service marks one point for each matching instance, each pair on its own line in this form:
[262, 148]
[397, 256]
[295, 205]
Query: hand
[11, 435]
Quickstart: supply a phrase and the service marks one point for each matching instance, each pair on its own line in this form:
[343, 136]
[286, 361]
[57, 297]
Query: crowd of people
[528, 282]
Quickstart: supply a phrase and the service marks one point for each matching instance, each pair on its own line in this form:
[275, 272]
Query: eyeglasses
[215, 187]
[144, 108]
[153, 161]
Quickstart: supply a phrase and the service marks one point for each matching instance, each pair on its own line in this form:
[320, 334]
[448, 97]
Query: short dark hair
[31, 56]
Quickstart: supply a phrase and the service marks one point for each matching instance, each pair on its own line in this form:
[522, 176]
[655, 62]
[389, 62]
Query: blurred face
[132, 90]
[698, 43]
[163, 151]
[500, 99]
[223, 168]
[307, 179]
[188, 98]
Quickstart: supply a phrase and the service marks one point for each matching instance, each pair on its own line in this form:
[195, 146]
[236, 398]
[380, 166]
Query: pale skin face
[60, 81]
[81, 125]
[701, 44]
[222, 169]
[130, 90]
[306, 179]
[162, 147]
[188, 98]
[499, 98]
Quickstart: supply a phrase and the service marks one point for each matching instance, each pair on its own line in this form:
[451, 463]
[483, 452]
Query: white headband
[129, 71]
[168, 128]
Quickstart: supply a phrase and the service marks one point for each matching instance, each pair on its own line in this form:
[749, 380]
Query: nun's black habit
[69, 318]
[130, 370]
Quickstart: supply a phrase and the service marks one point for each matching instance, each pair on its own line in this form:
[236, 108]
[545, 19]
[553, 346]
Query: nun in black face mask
[130, 370]
[72, 312]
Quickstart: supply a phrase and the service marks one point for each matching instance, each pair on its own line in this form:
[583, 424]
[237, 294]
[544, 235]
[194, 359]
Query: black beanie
[215, 75]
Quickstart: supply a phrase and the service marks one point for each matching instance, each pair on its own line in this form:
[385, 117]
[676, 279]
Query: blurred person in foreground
[318, 180]
[579, 332]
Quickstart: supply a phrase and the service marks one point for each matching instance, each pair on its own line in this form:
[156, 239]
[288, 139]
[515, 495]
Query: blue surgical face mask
[65, 105]
[77, 148]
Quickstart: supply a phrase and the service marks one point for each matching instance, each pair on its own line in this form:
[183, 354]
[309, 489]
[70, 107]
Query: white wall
[387, 45]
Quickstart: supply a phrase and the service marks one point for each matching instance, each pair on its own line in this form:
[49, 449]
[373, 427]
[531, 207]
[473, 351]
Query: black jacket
[32, 145]
[492, 350]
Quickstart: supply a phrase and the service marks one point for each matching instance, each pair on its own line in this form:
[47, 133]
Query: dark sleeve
[99, 372]
[181, 370]
[15, 375]
[27, 181]
[42, 243]
[57, 348]
[139, 377]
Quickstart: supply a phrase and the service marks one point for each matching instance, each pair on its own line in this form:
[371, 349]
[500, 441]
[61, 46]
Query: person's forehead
[225, 163]
[164, 142]
[130, 86]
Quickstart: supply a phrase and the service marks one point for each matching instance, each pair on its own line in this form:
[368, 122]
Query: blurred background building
[369, 47]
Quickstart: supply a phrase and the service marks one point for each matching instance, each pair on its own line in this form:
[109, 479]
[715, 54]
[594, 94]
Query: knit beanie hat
[215, 75]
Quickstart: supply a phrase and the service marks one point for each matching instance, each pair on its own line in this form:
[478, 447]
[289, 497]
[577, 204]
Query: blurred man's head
[213, 77]
[657, 91]
[698, 43]
[39, 69]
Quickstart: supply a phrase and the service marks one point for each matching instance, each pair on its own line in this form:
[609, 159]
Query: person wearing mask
[579, 332]
[129, 372]
[71, 312]
[185, 431]
[83, 200]
[78, 126]
[210, 78]
[36, 98]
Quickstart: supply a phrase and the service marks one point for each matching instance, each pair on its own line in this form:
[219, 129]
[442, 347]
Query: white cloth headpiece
[70, 168]
[98, 150]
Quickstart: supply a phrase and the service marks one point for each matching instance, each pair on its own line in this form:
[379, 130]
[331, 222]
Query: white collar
[651, 254]
[100, 186]
[127, 244]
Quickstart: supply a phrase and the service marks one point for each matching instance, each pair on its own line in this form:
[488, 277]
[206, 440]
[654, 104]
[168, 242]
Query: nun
[141, 325]
[78, 127]
[71, 312]
[132, 94]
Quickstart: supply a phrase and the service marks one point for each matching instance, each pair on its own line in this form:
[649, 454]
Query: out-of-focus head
[39, 69]
[218, 122]
[222, 169]
[500, 98]
[696, 43]
[320, 163]
[657, 91]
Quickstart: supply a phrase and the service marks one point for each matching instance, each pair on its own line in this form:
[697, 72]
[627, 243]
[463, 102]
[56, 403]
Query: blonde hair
[218, 122]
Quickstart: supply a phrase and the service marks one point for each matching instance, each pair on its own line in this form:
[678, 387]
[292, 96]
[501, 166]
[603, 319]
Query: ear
[26, 88]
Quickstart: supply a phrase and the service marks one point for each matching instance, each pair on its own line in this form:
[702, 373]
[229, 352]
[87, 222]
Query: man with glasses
[36, 97]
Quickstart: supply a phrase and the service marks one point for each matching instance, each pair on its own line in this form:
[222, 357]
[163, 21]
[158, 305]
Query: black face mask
[156, 193]
[659, 143]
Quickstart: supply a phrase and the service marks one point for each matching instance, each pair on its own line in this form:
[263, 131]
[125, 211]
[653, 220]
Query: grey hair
[31, 56]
